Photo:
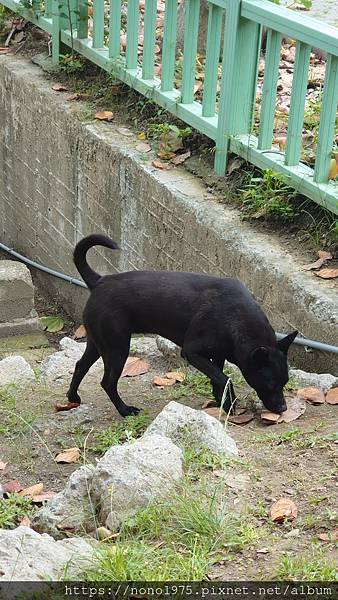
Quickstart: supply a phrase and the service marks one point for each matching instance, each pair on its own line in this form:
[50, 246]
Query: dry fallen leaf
[332, 396]
[104, 115]
[163, 381]
[160, 165]
[80, 332]
[330, 536]
[283, 509]
[270, 417]
[333, 171]
[71, 455]
[181, 158]
[25, 521]
[233, 165]
[241, 419]
[58, 87]
[135, 366]
[262, 551]
[208, 403]
[39, 498]
[176, 375]
[33, 490]
[312, 395]
[143, 147]
[4, 50]
[124, 131]
[12, 486]
[327, 273]
[216, 412]
[68, 406]
[3, 465]
[72, 97]
[323, 257]
[296, 407]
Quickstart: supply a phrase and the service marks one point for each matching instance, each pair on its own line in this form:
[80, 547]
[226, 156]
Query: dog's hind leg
[113, 367]
[82, 367]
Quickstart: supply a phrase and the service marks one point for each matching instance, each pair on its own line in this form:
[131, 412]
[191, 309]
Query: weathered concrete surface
[61, 179]
[17, 314]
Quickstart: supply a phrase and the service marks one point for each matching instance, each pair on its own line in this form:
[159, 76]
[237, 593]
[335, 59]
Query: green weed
[312, 566]
[130, 428]
[14, 508]
[12, 422]
[268, 196]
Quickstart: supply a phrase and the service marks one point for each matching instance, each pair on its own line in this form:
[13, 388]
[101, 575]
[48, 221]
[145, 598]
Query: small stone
[292, 533]
[323, 381]
[15, 369]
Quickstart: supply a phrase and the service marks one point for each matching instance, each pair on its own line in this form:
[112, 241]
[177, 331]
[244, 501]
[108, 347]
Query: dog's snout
[283, 407]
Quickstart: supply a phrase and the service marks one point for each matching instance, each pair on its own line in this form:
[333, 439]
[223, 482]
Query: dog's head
[267, 373]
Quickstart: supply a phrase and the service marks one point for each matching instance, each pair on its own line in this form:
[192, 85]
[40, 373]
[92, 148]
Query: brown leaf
[181, 158]
[4, 50]
[58, 87]
[3, 465]
[68, 406]
[208, 403]
[143, 147]
[71, 455]
[323, 256]
[283, 509]
[176, 375]
[330, 536]
[332, 396]
[104, 115]
[216, 412]
[234, 164]
[296, 407]
[39, 498]
[80, 332]
[33, 490]
[135, 366]
[160, 165]
[241, 419]
[270, 417]
[72, 97]
[312, 395]
[12, 486]
[333, 171]
[327, 273]
[25, 521]
[197, 86]
[163, 381]
[281, 141]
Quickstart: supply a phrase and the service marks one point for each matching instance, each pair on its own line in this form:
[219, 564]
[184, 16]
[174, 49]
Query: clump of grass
[198, 460]
[13, 422]
[130, 428]
[14, 508]
[310, 566]
[173, 539]
[268, 196]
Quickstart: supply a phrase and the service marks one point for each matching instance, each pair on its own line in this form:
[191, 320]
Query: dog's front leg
[218, 379]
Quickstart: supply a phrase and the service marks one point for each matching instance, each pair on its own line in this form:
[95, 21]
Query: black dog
[210, 318]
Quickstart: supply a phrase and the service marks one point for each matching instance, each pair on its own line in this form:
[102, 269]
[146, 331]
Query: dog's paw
[130, 410]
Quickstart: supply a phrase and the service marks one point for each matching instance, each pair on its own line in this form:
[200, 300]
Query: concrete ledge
[61, 179]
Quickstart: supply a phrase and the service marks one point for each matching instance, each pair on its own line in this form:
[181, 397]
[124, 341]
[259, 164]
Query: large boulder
[15, 369]
[25, 555]
[323, 381]
[183, 424]
[69, 510]
[130, 476]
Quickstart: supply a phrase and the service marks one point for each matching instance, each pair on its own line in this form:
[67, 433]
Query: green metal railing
[228, 120]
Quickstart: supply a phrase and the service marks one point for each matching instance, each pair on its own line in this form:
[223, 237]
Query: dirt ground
[296, 460]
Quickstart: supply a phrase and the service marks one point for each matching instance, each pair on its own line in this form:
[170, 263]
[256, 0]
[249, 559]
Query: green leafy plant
[71, 63]
[130, 428]
[52, 324]
[14, 508]
[268, 196]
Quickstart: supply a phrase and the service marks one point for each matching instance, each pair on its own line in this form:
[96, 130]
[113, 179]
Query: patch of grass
[173, 539]
[268, 196]
[296, 438]
[72, 63]
[311, 566]
[14, 508]
[195, 384]
[196, 461]
[130, 428]
[13, 422]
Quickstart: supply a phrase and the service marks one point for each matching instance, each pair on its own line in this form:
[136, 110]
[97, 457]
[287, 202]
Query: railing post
[239, 78]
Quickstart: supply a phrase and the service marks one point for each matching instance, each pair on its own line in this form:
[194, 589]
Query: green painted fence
[229, 120]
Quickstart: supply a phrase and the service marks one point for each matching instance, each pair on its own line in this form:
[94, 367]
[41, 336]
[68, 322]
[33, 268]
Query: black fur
[212, 319]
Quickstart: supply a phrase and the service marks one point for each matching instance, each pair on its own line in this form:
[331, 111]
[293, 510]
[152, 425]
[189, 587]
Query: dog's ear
[286, 342]
[259, 356]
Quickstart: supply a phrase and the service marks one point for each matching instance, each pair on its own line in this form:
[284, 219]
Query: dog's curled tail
[89, 276]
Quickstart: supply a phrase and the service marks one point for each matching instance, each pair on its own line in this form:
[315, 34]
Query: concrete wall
[61, 179]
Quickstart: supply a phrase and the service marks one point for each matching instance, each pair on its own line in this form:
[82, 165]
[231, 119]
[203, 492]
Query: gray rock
[130, 476]
[17, 314]
[323, 381]
[181, 423]
[25, 555]
[59, 366]
[168, 349]
[72, 509]
[15, 369]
